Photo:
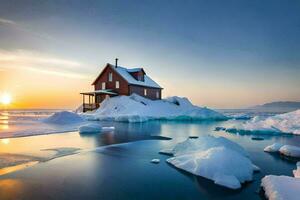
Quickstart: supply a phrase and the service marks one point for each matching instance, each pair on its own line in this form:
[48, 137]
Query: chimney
[116, 65]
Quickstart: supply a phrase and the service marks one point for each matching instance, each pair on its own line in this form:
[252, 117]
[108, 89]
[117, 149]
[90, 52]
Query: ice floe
[155, 161]
[217, 159]
[63, 118]
[273, 148]
[135, 108]
[281, 187]
[90, 128]
[286, 150]
[283, 123]
[296, 172]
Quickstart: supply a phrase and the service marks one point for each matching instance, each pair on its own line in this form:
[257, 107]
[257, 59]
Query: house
[115, 80]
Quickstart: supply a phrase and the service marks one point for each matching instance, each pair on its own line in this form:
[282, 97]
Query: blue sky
[224, 54]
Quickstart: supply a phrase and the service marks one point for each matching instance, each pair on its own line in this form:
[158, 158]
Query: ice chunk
[255, 168]
[216, 163]
[90, 128]
[281, 187]
[296, 172]
[290, 150]
[155, 161]
[135, 108]
[273, 148]
[227, 181]
[64, 117]
[205, 142]
[282, 123]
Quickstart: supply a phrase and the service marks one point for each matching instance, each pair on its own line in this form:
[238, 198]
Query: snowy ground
[135, 108]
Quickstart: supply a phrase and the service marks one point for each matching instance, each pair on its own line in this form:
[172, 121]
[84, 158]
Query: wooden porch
[92, 100]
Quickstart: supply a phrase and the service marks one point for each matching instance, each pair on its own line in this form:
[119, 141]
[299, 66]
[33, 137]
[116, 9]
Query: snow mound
[282, 123]
[135, 108]
[217, 159]
[281, 187]
[296, 172]
[64, 117]
[90, 128]
[273, 148]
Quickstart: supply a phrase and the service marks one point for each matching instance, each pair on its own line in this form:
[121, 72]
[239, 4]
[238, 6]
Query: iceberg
[90, 128]
[63, 118]
[281, 187]
[217, 159]
[135, 108]
[273, 148]
[288, 123]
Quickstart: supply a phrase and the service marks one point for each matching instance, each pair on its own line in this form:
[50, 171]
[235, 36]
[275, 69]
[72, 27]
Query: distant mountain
[278, 106]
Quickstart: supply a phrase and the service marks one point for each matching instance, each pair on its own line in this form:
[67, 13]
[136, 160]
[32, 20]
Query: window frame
[110, 76]
[117, 85]
[103, 86]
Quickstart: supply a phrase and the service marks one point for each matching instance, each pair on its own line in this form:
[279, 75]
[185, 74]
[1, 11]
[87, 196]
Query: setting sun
[5, 99]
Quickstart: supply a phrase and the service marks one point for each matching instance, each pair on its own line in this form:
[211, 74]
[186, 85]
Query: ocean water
[116, 164]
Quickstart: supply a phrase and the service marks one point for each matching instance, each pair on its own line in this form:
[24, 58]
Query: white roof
[124, 72]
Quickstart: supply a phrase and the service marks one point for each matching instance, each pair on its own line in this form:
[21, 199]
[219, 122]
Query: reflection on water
[11, 169]
[124, 171]
[11, 188]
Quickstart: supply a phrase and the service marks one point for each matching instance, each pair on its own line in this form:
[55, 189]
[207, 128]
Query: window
[157, 95]
[103, 85]
[110, 77]
[117, 84]
[145, 92]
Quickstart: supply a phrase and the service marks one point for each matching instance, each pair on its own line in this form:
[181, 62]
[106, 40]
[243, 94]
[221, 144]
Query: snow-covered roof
[125, 73]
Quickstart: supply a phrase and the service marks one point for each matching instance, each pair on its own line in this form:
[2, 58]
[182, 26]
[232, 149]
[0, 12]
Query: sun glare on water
[5, 99]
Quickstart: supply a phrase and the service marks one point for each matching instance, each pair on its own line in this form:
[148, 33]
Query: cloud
[7, 22]
[42, 63]
[23, 28]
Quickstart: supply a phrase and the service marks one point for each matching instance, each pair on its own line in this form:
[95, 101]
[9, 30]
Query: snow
[282, 123]
[281, 187]
[273, 148]
[205, 142]
[63, 117]
[124, 72]
[135, 108]
[217, 159]
[296, 172]
[90, 128]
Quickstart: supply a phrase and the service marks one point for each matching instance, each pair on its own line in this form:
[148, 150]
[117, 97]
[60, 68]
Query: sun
[5, 99]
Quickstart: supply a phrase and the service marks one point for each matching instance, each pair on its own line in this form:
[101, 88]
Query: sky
[220, 54]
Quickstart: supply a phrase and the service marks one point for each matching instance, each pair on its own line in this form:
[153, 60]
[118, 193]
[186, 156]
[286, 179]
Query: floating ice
[283, 123]
[290, 150]
[63, 117]
[90, 128]
[155, 161]
[296, 172]
[218, 159]
[135, 108]
[273, 148]
[281, 187]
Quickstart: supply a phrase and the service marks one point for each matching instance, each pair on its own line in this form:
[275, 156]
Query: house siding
[123, 85]
[151, 92]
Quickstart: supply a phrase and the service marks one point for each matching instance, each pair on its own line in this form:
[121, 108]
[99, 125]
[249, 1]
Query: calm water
[123, 170]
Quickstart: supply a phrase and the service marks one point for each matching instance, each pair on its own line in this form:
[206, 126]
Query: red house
[115, 80]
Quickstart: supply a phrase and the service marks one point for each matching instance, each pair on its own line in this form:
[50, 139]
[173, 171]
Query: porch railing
[90, 106]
